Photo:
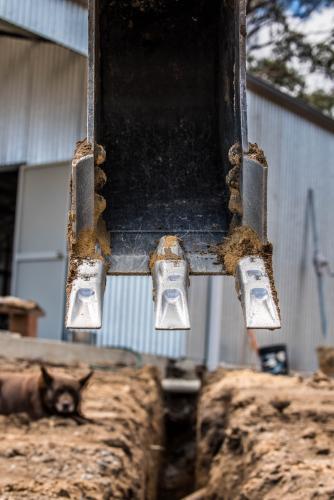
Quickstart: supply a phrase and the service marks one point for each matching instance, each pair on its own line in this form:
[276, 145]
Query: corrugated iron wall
[62, 21]
[300, 156]
[128, 319]
[42, 101]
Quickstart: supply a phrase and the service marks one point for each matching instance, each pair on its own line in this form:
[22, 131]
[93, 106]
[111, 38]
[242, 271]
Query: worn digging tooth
[255, 293]
[86, 295]
[87, 270]
[170, 275]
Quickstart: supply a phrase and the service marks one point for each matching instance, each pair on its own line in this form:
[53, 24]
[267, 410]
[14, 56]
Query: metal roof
[297, 106]
[62, 21]
[42, 101]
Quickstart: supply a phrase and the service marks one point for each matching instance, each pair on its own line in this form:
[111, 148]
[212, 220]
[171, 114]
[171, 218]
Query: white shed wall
[43, 114]
[42, 101]
[300, 156]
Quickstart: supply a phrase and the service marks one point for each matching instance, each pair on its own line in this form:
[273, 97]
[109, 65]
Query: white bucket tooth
[85, 301]
[170, 274]
[254, 291]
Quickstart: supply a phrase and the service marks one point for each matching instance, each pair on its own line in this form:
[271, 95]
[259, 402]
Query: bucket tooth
[170, 273]
[254, 291]
[86, 295]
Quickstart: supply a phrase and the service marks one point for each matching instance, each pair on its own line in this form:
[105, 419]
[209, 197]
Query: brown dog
[42, 394]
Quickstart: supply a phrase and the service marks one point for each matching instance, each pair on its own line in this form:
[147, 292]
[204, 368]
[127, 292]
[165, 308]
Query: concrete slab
[66, 353]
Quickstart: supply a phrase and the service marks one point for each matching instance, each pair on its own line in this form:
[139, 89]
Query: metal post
[317, 260]
[215, 322]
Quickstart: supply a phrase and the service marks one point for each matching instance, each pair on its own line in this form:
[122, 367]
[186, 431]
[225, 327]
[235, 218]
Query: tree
[286, 55]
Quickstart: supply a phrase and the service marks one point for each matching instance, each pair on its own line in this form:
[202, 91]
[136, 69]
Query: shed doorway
[8, 193]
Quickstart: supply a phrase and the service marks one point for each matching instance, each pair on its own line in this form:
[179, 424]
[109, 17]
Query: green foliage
[321, 100]
[289, 49]
[277, 72]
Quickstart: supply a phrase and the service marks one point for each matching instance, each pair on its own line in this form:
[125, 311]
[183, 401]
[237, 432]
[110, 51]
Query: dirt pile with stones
[117, 456]
[265, 437]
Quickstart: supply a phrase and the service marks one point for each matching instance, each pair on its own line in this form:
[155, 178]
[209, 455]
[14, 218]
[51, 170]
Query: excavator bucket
[166, 102]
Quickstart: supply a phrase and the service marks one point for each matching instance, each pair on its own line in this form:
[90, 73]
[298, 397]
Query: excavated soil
[242, 242]
[234, 174]
[261, 436]
[233, 180]
[117, 456]
[326, 360]
[82, 148]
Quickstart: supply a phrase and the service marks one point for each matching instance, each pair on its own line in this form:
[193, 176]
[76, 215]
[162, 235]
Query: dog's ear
[47, 378]
[83, 381]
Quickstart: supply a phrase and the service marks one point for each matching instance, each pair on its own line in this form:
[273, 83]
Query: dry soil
[265, 437]
[117, 456]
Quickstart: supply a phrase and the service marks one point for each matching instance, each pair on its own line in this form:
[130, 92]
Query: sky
[316, 27]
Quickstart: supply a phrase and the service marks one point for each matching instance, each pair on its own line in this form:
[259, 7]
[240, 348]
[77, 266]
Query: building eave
[296, 106]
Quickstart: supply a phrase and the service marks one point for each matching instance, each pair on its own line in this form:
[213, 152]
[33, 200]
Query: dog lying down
[42, 395]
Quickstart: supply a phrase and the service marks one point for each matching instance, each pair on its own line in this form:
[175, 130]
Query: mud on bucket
[274, 359]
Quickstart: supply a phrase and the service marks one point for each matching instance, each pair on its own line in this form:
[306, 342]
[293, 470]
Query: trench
[177, 474]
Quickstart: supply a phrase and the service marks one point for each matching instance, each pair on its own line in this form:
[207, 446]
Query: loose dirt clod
[82, 148]
[84, 246]
[234, 174]
[248, 448]
[116, 456]
[100, 178]
[233, 179]
[168, 254]
[241, 242]
[256, 153]
[326, 359]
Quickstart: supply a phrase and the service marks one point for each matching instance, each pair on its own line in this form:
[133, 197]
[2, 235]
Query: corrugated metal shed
[62, 21]
[128, 319]
[300, 156]
[42, 101]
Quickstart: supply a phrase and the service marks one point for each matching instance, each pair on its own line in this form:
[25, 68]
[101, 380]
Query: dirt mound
[265, 437]
[117, 456]
[326, 359]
